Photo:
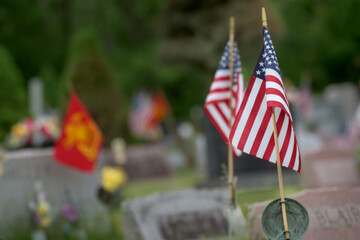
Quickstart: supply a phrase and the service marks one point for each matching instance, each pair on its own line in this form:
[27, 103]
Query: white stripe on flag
[289, 150]
[225, 109]
[222, 73]
[277, 98]
[272, 72]
[220, 84]
[218, 96]
[259, 118]
[219, 120]
[247, 110]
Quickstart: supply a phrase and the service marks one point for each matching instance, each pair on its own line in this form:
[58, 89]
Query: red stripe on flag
[242, 106]
[222, 115]
[274, 79]
[260, 133]
[217, 90]
[252, 116]
[271, 145]
[224, 78]
[293, 155]
[285, 146]
[276, 92]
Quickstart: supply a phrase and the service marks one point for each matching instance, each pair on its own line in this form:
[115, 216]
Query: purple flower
[36, 218]
[70, 214]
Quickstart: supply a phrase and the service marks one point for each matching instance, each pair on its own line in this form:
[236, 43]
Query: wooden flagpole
[278, 162]
[231, 76]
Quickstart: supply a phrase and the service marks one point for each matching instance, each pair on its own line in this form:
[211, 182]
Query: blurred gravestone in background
[23, 168]
[144, 161]
[36, 99]
[181, 215]
[329, 167]
[345, 95]
[87, 69]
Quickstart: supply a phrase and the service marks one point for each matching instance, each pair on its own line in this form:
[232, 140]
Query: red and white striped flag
[253, 131]
[217, 101]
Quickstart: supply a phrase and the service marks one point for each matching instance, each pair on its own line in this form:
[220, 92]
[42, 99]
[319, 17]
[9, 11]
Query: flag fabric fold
[217, 103]
[253, 131]
[80, 140]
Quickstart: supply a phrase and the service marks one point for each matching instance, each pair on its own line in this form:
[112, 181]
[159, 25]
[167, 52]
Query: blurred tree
[321, 41]
[34, 38]
[12, 93]
[88, 70]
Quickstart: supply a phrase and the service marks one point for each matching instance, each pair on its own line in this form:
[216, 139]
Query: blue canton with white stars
[269, 51]
[259, 71]
[267, 58]
[225, 60]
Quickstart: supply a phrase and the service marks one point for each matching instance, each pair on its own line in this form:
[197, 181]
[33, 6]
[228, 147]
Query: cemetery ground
[183, 178]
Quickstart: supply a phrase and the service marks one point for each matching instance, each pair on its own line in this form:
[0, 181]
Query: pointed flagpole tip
[264, 20]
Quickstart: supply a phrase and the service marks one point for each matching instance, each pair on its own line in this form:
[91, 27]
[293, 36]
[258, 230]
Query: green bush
[12, 93]
[87, 70]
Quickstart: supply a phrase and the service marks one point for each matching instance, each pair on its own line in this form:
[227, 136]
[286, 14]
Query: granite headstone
[147, 161]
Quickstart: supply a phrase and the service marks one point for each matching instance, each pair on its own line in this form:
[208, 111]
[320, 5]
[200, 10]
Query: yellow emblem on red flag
[81, 139]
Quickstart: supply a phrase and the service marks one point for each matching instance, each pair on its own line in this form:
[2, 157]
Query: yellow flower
[42, 208]
[45, 222]
[113, 178]
[19, 130]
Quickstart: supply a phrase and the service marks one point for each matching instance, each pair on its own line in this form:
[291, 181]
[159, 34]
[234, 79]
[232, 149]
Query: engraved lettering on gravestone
[336, 216]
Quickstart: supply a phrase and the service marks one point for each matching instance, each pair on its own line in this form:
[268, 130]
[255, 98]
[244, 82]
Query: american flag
[253, 131]
[140, 115]
[217, 101]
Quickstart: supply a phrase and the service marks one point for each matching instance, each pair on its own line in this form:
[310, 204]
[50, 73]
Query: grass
[184, 178]
[247, 197]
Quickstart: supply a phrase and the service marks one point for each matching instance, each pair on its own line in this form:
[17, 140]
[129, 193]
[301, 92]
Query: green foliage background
[12, 92]
[317, 40]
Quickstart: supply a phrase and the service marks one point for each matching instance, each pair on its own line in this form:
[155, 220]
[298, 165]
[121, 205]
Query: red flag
[160, 108]
[252, 131]
[81, 139]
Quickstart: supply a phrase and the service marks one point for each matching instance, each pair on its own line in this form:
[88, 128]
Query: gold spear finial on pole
[264, 19]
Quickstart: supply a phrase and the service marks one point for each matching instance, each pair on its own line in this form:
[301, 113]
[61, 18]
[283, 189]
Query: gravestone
[200, 156]
[329, 118]
[147, 161]
[345, 95]
[36, 100]
[334, 213]
[23, 168]
[182, 215]
[328, 167]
